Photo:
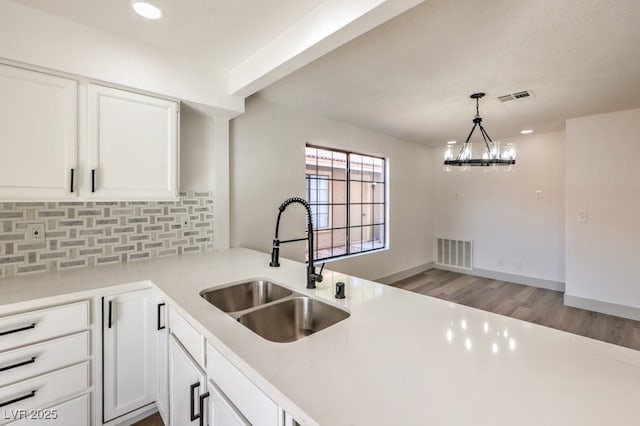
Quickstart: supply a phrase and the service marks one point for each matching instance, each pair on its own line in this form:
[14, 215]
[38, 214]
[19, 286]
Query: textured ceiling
[222, 33]
[411, 77]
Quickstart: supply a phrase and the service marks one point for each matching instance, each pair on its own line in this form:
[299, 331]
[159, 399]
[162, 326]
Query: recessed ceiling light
[451, 142]
[526, 131]
[147, 10]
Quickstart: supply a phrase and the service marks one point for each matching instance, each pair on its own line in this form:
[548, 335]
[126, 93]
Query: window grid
[356, 194]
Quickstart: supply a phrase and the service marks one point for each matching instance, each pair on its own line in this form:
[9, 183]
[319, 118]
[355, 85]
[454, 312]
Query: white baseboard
[512, 278]
[389, 279]
[608, 308]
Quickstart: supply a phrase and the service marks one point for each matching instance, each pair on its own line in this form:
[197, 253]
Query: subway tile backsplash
[83, 234]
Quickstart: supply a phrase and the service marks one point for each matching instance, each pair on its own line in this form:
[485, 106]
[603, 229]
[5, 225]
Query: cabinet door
[132, 146]
[129, 352]
[162, 378]
[37, 135]
[187, 387]
[221, 411]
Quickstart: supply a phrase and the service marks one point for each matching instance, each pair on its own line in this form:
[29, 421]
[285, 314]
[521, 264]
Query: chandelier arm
[485, 136]
[466, 142]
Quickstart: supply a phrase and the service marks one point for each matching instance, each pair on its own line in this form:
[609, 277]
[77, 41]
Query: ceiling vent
[516, 96]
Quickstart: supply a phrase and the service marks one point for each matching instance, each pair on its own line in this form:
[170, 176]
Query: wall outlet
[583, 217]
[539, 195]
[35, 233]
[185, 221]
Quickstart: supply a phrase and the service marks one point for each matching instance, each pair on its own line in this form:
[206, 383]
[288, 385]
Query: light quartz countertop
[399, 359]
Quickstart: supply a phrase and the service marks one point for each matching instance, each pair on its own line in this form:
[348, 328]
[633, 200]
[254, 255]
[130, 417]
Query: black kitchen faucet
[312, 277]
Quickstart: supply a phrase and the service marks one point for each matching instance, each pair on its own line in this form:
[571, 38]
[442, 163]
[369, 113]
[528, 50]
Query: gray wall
[267, 166]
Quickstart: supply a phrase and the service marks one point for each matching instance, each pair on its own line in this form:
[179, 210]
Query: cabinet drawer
[31, 327]
[191, 340]
[43, 390]
[70, 413]
[30, 361]
[254, 405]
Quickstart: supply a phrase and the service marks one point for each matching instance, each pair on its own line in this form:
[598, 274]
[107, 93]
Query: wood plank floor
[154, 420]
[531, 304]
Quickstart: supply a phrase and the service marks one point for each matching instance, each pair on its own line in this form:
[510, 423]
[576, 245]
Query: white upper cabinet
[38, 135]
[63, 139]
[132, 144]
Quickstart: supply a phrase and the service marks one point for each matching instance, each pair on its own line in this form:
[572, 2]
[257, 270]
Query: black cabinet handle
[192, 401]
[18, 399]
[17, 330]
[202, 398]
[19, 364]
[93, 180]
[161, 327]
[110, 312]
[72, 179]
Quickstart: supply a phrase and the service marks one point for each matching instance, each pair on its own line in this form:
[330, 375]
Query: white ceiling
[411, 76]
[222, 33]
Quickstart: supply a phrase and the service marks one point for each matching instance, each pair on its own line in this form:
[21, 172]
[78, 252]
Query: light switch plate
[583, 217]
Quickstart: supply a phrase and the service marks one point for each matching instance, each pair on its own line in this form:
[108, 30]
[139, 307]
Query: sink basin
[292, 319]
[244, 295]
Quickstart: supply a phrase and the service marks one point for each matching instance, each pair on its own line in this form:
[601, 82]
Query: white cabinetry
[129, 352]
[221, 411]
[162, 379]
[126, 149]
[187, 395]
[254, 405]
[45, 362]
[37, 134]
[132, 145]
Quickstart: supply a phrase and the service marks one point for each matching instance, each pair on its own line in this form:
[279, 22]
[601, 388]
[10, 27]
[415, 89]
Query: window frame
[319, 176]
[348, 205]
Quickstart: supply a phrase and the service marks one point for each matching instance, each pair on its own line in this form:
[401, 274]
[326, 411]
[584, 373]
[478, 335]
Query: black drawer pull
[93, 180]
[71, 183]
[110, 312]
[192, 402]
[18, 399]
[17, 330]
[19, 364]
[202, 398]
[161, 327]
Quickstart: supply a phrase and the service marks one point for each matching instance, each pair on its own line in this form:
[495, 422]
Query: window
[317, 194]
[347, 195]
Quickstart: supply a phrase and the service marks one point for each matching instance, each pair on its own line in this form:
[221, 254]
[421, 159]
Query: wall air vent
[456, 253]
[516, 96]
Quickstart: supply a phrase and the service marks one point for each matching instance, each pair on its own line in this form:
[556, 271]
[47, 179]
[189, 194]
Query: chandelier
[491, 152]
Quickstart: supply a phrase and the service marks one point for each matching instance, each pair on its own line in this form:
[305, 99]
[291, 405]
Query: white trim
[390, 279]
[350, 256]
[623, 311]
[513, 278]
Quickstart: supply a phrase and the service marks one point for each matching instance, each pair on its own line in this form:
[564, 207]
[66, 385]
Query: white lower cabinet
[41, 391]
[45, 360]
[187, 387]
[162, 378]
[246, 397]
[129, 352]
[74, 412]
[221, 411]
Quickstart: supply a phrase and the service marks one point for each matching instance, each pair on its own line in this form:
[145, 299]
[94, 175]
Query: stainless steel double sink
[272, 311]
